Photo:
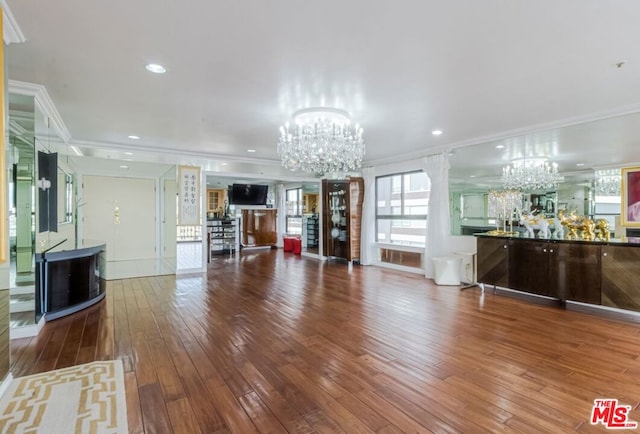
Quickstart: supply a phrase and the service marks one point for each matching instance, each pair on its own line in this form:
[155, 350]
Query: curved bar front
[69, 280]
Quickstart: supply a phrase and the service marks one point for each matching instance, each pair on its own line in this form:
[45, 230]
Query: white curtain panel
[281, 222]
[368, 235]
[438, 224]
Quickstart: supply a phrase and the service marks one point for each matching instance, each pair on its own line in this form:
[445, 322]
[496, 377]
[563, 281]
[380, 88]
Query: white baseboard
[24, 331]
[22, 290]
[398, 267]
[27, 331]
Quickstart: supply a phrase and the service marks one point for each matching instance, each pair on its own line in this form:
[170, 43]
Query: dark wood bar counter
[68, 279]
[598, 273]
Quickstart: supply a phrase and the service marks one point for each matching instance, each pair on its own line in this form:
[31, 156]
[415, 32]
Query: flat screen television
[248, 194]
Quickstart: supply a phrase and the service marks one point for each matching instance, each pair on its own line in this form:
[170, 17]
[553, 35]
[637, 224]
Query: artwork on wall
[189, 195]
[630, 212]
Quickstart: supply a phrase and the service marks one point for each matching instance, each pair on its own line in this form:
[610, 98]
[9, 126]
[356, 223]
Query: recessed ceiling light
[155, 68]
[224, 164]
[472, 176]
[499, 146]
[579, 164]
[251, 150]
[134, 137]
[124, 167]
[436, 132]
[128, 153]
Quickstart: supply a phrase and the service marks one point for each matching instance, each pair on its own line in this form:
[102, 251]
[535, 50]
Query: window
[294, 211]
[402, 205]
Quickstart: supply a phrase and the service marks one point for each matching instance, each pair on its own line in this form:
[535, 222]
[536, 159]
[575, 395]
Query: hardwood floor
[275, 342]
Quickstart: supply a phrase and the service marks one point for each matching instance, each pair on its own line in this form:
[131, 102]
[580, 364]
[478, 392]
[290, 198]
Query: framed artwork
[189, 195]
[630, 191]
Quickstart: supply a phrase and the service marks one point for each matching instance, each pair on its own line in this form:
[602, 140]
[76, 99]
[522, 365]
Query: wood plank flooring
[272, 342]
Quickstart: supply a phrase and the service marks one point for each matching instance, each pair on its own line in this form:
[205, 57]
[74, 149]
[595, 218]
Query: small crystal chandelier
[504, 204]
[321, 141]
[608, 182]
[528, 174]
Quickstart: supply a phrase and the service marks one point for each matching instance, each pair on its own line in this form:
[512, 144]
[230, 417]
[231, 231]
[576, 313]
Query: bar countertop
[624, 241]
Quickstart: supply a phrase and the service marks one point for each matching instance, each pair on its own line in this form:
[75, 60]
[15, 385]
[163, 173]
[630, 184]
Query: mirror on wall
[30, 135]
[578, 194]
[22, 167]
[65, 197]
[588, 155]
[311, 217]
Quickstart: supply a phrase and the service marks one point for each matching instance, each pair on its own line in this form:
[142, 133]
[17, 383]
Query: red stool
[297, 246]
[288, 243]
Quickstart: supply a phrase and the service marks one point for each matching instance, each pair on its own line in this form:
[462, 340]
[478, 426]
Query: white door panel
[121, 211]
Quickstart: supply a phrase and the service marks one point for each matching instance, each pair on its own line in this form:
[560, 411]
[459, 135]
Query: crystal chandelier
[608, 182]
[321, 141]
[528, 174]
[504, 204]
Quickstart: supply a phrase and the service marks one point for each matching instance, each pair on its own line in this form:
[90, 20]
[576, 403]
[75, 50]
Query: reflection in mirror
[310, 217]
[21, 160]
[578, 193]
[469, 207]
[65, 197]
[607, 200]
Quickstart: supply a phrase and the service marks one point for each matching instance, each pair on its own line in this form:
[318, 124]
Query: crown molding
[44, 103]
[10, 28]
[172, 152]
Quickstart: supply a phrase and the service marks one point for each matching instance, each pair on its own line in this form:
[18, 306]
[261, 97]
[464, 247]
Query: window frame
[402, 215]
[298, 207]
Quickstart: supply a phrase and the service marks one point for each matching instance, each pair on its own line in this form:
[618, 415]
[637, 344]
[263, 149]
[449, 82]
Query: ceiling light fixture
[436, 132]
[134, 137]
[251, 150]
[533, 173]
[155, 68]
[321, 141]
[499, 146]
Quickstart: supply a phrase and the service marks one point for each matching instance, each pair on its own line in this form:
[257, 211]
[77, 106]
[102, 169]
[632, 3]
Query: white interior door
[122, 212]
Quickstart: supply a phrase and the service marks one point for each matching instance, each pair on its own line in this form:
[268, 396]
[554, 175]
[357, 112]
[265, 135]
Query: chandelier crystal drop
[527, 174]
[320, 141]
[608, 182]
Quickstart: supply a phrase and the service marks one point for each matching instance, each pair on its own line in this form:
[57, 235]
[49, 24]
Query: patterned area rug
[79, 399]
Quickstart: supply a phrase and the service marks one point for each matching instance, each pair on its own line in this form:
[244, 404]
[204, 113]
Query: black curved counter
[69, 279]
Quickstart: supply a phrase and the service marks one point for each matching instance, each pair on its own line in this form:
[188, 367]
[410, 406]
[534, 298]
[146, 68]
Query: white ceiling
[515, 71]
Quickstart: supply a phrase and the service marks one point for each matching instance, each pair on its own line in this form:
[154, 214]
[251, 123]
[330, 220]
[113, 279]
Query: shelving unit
[223, 236]
[311, 231]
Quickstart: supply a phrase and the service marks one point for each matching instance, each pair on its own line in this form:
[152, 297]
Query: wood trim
[398, 257]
